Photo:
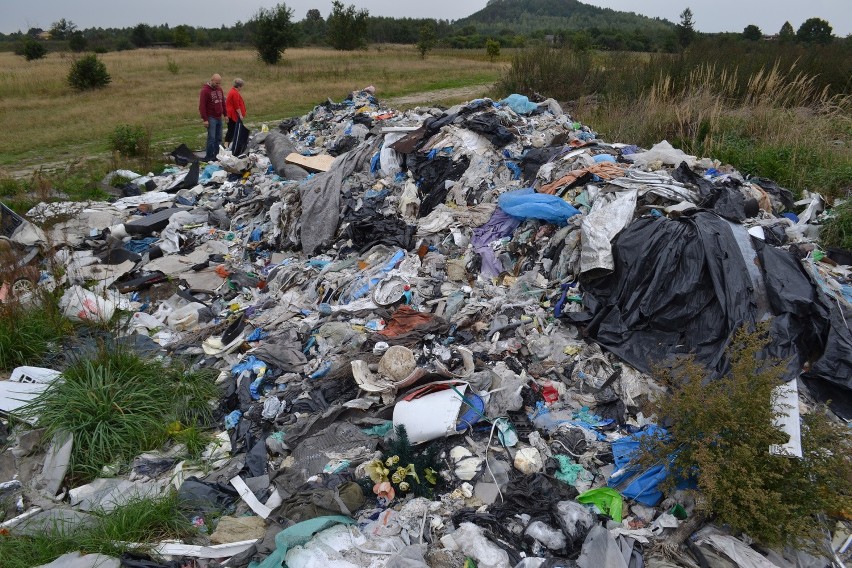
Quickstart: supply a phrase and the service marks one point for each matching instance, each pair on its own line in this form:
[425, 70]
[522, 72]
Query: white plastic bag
[79, 304]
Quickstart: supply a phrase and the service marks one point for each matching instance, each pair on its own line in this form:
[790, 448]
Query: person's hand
[206, 124]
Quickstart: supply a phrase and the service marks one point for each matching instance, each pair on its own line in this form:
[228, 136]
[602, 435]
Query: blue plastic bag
[519, 103]
[527, 204]
[641, 486]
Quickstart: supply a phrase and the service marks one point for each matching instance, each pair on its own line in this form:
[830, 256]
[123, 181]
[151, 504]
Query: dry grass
[782, 126]
[45, 120]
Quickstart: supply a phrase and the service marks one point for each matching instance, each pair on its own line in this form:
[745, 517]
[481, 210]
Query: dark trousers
[232, 127]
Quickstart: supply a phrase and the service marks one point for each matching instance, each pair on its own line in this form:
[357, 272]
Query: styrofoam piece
[41, 375]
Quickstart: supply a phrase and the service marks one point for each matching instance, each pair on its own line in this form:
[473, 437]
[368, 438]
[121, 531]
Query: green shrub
[88, 72]
[273, 32]
[32, 49]
[492, 49]
[347, 27]
[172, 65]
[720, 433]
[119, 404]
[130, 140]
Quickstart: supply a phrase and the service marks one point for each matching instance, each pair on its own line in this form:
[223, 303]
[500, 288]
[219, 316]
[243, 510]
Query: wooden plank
[319, 163]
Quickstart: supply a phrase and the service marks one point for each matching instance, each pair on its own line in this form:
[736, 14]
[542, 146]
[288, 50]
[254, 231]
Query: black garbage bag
[488, 124]
[241, 138]
[431, 176]
[533, 159]
[391, 231]
[133, 560]
[199, 496]
[183, 155]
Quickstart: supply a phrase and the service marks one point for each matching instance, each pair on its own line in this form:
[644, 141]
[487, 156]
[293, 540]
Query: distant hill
[525, 16]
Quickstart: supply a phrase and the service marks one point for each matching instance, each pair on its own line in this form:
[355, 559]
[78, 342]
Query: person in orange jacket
[236, 109]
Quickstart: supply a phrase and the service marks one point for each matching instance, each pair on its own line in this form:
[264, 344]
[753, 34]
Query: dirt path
[470, 92]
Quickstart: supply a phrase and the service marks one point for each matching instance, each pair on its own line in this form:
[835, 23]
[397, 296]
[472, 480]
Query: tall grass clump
[836, 231]
[139, 521]
[719, 436]
[119, 404]
[29, 331]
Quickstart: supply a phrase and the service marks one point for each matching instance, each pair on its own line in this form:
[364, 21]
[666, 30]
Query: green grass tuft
[119, 405]
[140, 521]
[837, 231]
[28, 332]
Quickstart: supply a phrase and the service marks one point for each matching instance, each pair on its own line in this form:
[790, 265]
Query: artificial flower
[377, 471]
[384, 490]
[430, 475]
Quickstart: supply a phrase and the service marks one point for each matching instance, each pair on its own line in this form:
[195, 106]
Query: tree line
[272, 30]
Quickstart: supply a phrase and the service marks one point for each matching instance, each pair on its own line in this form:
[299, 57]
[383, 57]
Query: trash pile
[435, 332]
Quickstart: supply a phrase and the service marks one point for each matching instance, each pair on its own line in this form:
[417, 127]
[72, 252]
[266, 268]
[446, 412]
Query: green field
[48, 124]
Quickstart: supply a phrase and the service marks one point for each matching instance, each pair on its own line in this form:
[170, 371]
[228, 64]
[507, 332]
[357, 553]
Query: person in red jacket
[236, 109]
[211, 106]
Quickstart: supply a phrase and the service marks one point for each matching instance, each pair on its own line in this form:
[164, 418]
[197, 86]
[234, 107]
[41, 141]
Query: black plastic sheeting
[391, 231]
[188, 181]
[808, 325]
[197, 495]
[726, 200]
[431, 176]
[682, 287]
[783, 194]
[132, 560]
[183, 155]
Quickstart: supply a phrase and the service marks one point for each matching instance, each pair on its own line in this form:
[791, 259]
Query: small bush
[172, 65]
[130, 140]
[492, 49]
[719, 435]
[32, 49]
[118, 405]
[88, 72]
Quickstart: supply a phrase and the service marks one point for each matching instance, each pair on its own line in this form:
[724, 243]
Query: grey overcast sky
[710, 15]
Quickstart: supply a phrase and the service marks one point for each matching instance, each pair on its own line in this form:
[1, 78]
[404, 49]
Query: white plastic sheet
[600, 226]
